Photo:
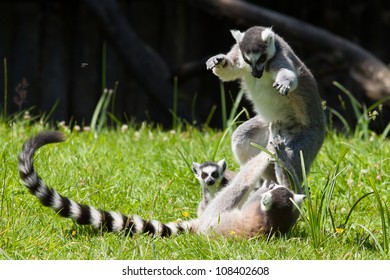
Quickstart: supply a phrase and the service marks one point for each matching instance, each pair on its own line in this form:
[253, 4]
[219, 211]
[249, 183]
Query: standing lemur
[289, 112]
[284, 95]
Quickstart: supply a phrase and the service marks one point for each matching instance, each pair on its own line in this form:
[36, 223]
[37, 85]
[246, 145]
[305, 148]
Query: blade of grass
[46, 119]
[382, 214]
[353, 207]
[234, 109]
[103, 113]
[210, 116]
[225, 133]
[97, 111]
[377, 243]
[223, 106]
[5, 89]
[341, 118]
[193, 108]
[174, 109]
[114, 119]
[385, 132]
[104, 65]
[112, 113]
[354, 102]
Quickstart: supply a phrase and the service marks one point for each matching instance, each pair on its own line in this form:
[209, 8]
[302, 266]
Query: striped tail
[85, 214]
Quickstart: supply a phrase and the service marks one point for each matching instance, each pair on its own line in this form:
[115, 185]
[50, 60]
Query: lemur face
[280, 197]
[209, 173]
[256, 60]
[257, 46]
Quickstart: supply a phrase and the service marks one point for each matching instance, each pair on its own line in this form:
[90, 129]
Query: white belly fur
[268, 103]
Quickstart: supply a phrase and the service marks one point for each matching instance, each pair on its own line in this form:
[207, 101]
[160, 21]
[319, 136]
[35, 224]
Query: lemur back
[262, 206]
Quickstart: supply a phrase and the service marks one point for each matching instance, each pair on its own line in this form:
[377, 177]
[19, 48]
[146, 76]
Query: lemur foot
[282, 87]
[279, 143]
[279, 146]
[216, 61]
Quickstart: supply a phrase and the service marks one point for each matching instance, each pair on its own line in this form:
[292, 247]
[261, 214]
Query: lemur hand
[283, 87]
[219, 60]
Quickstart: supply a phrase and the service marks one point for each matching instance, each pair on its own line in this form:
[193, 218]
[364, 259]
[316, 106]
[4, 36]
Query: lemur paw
[279, 144]
[282, 87]
[216, 61]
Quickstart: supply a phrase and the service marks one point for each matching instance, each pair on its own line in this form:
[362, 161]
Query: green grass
[146, 171]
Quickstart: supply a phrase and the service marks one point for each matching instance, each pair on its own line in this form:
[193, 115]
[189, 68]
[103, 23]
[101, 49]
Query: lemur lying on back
[267, 211]
[284, 95]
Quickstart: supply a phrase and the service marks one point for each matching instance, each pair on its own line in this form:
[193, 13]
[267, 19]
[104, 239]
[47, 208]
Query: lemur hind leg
[288, 144]
[285, 172]
[254, 130]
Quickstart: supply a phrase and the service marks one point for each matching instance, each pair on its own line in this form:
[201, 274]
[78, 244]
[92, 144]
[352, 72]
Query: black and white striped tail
[84, 214]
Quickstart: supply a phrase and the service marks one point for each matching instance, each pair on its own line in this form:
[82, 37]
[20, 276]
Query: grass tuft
[364, 116]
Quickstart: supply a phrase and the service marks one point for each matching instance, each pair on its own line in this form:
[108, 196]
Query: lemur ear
[237, 35]
[195, 167]
[298, 198]
[222, 164]
[268, 35]
[266, 201]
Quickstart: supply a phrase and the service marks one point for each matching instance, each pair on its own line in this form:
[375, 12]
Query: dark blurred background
[68, 51]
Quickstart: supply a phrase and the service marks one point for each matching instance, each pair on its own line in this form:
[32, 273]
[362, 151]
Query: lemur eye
[214, 174]
[203, 175]
[246, 59]
[262, 58]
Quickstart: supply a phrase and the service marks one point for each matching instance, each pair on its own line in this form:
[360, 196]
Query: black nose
[257, 73]
[210, 182]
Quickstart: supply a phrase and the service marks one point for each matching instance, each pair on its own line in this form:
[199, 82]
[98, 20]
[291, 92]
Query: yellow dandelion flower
[185, 214]
[232, 232]
[74, 233]
[339, 230]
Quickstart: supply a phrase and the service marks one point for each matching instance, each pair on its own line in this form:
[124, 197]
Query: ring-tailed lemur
[267, 211]
[284, 93]
[212, 176]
